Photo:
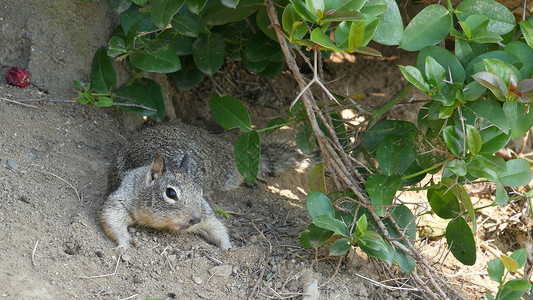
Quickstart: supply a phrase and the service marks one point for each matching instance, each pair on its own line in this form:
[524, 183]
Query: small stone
[5, 295]
[34, 155]
[197, 280]
[99, 253]
[12, 165]
[311, 290]
[126, 257]
[172, 257]
[136, 279]
[222, 271]
[253, 239]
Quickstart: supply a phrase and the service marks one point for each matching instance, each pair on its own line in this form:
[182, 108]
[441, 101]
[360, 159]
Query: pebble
[172, 257]
[34, 155]
[222, 271]
[99, 253]
[197, 280]
[137, 280]
[12, 165]
[126, 257]
[311, 290]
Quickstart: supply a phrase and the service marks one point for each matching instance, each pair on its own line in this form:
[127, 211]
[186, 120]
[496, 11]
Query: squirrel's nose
[194, 220]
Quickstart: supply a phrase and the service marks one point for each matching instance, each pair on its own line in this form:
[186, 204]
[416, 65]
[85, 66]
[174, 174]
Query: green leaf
[319, 37]
[230, 113]
[406, 223]
[319, 204]
[375, 135]
[261, 48]
[493, 139]
[435, 73]
[473, 139]
[458, 167]
[381, 189]
[395, 154]
[461, 241]
[103, 102]
[527, 31]
[448, 61]
[316, 237]
[361, 226]
[329, 223]
[247, 152]
[208, 52]
[186, 25]
[143, 92]
[163, 60]
[263, 22]
[463, 51]
[492, 162]
[477, 170]
[476, 65]
[230, 3]
[181, 44]
[454, 139]
[501, 21]
[501, 197]
[162, 11]
[492, 111]
[103, 76]
[415, 77]
[119, 6]
[520, 256]
[509, 263]
[518, 173]
[218, 14]
[390, 28]
[340, 247]
[314, 6]
[317, 179]
[427, 28]
[443, 201]
[304, 137]
[519, 121]
[301, 9]
[524, 53]
[196, 6]
[495, 269]
[517, 285]
[189, 76]
[473, 91]
[117, 47]
[501, 69]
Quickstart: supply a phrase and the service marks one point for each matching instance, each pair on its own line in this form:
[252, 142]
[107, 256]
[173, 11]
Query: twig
[17, 102]
[389, 287]
[68, 183]
[130, 297]
[105, 275]
[33, 254]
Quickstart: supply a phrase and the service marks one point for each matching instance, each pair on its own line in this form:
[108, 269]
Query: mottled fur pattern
[159, 180]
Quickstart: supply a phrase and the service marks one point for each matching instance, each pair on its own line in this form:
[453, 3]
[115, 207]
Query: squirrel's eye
[171, 193]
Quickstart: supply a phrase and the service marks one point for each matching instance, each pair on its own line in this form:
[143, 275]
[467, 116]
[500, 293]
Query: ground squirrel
[162, 177]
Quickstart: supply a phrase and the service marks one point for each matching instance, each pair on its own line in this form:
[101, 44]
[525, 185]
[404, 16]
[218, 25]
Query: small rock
[5, 295]
[136, 279]
[253, 239]
[99, 254]
[34, 155]
[222, 271]
[311, 290]
[172, 295]
[12, 165]
[197, 280]
[126, 257]
[172, 257]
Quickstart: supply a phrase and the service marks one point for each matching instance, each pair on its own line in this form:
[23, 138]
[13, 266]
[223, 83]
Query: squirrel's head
[173, 199]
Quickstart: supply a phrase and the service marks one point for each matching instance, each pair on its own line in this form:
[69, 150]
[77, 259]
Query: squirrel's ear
[156, 168]
[185, 162]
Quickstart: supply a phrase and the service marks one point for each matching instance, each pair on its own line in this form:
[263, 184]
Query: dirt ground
[54, 159]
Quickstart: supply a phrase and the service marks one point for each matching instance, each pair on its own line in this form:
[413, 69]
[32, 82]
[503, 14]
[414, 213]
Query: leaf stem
[424, 171]
[380, 111]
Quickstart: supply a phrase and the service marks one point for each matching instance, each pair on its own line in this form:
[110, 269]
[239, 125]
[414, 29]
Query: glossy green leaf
[501, 21]
[518, 173]
[319, 37]
[454, 139]
[261, 48]
[263, 22]
[329, 223]
[162, 11]
[520, 256]
[319, 204]
[230, 3]
[501, 69]
[519, 121]
[473, 91]
[477, 65]
[163, 60]
[390, 28]
[119, 6]
[395, 154]
[208, 53]
[435, 73]
[463, 51]
[427, 28]
[117, 47]
[381, 189]
[230, 113]
[443, 202]
[247, 152]
[196, 6]
[461, 241]
[527, 31]
[130, 17]
[495, 269]
[340, 247]
[378, 132]
[304, 138]
[478, 170]
[288, 18]
[493, 139]
[315, 237]
[492, 162]
[189, 76]
[143, 92]
[492, 111]
[218, 14]
[473, 139]
[457, 166]
[103, 76]
[186, 25]
[448, 61]
[501, 197]
[524, 53]
[301, 9]
[181, 44]
[517, 285]
[103, 102]
[415, 77]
